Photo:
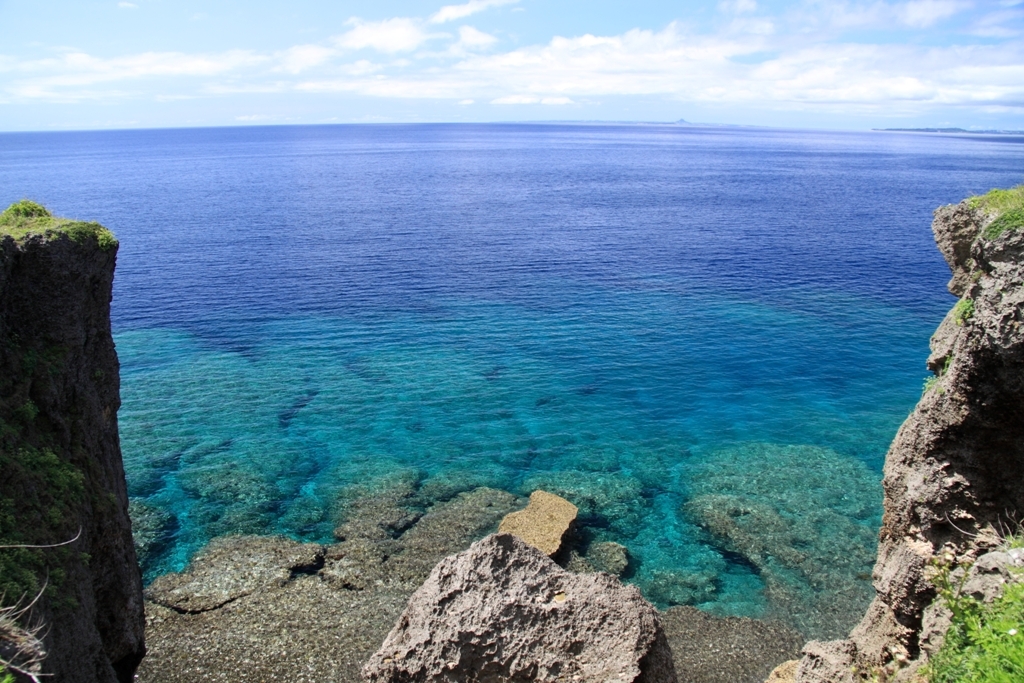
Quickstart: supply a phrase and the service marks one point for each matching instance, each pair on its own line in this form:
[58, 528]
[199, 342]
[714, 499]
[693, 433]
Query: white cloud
[361, 67]
[530, 99]
[795, 70]
[737, 6]
[925, 13]
[516, 99]
[699, 68]
[752, 26]
[917, 14]
[74, 75]
[303, 57]
[453, 12]
[1001, 24]
[390, 35]
[471, 38]
[127, 5]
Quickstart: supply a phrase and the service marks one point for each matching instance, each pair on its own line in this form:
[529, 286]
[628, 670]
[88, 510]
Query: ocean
[704, 337]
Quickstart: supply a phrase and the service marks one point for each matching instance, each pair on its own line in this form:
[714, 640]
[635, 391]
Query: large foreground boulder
[503, 611]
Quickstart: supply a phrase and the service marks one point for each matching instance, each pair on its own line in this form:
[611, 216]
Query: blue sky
[816, 63]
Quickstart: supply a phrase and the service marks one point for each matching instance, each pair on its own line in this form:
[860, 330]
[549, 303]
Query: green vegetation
[985, 642]
[25, 218]
[1006, 205]
[51, 489]
[999, 201]
[932, 380]
[1011, 220]
[40, 490]
[963, 310]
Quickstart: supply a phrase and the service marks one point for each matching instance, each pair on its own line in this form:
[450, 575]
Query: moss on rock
[1004, 207]
[26, 218]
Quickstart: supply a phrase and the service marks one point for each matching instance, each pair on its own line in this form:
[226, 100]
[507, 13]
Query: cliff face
[62, 475]
[954, 475]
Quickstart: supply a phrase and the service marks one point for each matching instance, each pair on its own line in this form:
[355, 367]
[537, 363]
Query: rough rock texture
[544, 524]
[954, 471]
[375, 554]
[608, 557]
[282, 624]
[60, 455]
[253, 608]
[233, 566]
[709, 649]
[784, 673]
[503, 611]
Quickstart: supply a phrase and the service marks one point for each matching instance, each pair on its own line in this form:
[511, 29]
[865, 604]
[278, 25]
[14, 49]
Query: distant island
[951, 130]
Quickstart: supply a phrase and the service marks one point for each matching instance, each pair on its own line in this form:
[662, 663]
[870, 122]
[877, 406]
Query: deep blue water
[654, 321]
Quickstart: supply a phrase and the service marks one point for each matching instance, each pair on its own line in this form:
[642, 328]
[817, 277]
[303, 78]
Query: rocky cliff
[954, 475]
[63, 479]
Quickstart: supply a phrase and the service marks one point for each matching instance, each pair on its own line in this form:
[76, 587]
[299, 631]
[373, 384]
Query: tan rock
[784, 673]
[543, 524]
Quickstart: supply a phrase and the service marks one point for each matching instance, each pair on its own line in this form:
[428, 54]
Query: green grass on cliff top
[25, 218]
[1006, 205]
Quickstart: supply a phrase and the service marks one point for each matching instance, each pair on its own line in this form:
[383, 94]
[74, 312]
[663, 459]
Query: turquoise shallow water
[584, 401]
[705, 338]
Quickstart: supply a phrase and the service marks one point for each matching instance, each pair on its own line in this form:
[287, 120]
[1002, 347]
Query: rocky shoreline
[953, 483]
[269, 608]
[264, 608]
[950, 482]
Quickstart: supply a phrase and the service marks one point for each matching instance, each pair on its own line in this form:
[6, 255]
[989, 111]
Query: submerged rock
[605, 556]
[681, 586]
[152, 530]
[804, 517]
[502, 610]
[265, 618]
[608, 557]
[544, 524]
[376, 557]
[231, 567]
[380, 515]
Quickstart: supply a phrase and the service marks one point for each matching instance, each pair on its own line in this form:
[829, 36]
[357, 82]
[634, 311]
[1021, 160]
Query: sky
[858, 64]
